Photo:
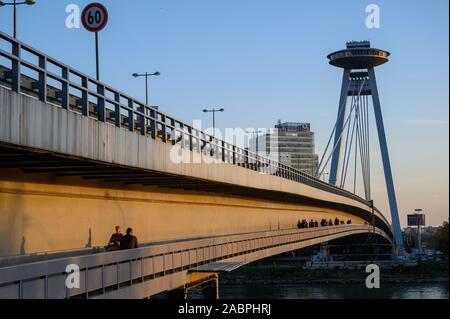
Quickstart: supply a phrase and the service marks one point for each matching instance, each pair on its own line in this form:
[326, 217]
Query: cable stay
[355, 103]
[331, 136]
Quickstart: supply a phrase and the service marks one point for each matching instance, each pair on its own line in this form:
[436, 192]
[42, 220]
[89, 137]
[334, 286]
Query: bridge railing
[28, 71]
[110, 271]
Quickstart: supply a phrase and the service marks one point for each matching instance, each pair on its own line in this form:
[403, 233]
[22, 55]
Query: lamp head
[135, 75]
[157, 73]
[205, 110]
[30, 2]
[222, 110]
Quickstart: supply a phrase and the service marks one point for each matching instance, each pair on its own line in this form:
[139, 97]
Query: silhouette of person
[114, 241]
[128, 241]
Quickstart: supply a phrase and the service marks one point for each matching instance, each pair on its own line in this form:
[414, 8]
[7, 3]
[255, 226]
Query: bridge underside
[50, 202]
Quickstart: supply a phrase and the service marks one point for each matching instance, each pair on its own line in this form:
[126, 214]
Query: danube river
[335, 291]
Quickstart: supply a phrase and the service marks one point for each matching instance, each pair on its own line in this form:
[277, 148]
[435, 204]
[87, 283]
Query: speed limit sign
[94, 17]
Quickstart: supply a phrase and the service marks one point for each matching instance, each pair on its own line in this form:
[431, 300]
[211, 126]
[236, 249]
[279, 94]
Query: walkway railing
[28, 71]
[104, 273]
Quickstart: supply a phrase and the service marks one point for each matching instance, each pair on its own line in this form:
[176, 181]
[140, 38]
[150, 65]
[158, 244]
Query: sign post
[417, 219]
[94, 19]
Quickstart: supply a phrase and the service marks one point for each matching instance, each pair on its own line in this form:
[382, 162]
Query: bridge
[78, 157]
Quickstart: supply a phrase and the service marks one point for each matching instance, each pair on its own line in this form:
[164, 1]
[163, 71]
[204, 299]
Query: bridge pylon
[358, 61]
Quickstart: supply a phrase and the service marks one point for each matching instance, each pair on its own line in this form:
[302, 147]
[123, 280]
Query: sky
[266, 60]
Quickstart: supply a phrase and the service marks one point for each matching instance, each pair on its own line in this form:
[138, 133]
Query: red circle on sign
[85, 16]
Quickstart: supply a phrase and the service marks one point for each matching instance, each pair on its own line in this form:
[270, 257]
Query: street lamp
[418, 212]
[15, 4]
[146, 75]
[372, 206]
[213, 111]
[255, 132]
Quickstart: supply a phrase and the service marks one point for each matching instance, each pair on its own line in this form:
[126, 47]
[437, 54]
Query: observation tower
[358, 62]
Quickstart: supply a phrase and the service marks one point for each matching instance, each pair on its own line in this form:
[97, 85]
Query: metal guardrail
[35, 74]
[110, 271]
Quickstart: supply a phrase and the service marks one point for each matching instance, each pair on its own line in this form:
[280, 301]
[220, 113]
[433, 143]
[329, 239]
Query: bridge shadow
[89, 241]
[22, 246]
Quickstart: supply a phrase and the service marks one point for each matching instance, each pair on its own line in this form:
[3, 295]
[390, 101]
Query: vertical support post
[339, 127]
[257, 143]
[234, 154]
[191, 147]
[386, 162]
[43, 78]
[15, 76]
[101, 103]
[223, 150]
[65, 88]
[117, 115]
[142, 119]
[163, 128]
[173, 131]
[130, 115]
[153, 123]
[97, 62]
[85, 96]
[216, 286]
[419, 238]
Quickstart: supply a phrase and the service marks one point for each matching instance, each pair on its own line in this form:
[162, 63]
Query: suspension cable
[344, 179]
[356, 150]
[368, 146]
[345, 124]
[346, 145]
[341, 109]
[365, 157]
[362, 148]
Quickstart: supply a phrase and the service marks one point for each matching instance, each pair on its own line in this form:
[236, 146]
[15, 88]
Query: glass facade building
[290, 143]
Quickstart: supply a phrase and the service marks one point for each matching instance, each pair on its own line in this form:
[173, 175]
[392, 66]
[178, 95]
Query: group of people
[122, 242]
[314, 223]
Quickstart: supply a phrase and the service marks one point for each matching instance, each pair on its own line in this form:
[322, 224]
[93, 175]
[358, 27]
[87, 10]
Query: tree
[439, 240]
[442, 239]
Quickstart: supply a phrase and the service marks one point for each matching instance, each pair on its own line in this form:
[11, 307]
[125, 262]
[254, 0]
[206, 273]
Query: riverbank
[334, 291]
[291, 272]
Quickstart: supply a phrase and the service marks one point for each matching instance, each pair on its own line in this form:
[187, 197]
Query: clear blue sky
[266, 60]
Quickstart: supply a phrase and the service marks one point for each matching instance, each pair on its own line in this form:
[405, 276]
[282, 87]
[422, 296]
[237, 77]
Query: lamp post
[15, 4]
[146, 75]
[255, 133]
[213, 111]
[418, 211]
[372, 206]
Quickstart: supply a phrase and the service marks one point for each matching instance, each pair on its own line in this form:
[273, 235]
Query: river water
[335, 291]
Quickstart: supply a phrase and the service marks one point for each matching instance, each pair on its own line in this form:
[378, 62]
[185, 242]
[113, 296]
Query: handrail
[126, 111]
[107, 270]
